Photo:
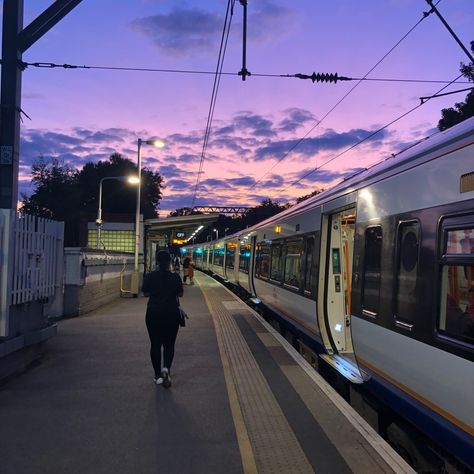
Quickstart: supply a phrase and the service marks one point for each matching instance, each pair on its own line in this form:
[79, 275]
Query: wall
[93, 279]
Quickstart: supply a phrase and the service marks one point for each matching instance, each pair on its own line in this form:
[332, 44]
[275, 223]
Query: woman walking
[162, 315]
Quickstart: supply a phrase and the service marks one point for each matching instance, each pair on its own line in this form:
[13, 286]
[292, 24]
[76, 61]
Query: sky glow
[82, 115]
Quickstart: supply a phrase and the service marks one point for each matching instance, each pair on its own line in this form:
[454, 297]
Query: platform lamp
[136, 274]
[98, 221]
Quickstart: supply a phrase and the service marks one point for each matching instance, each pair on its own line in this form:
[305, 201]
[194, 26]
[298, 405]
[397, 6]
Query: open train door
[334, 301]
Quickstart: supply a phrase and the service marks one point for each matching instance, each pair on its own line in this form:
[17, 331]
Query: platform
[242, 400]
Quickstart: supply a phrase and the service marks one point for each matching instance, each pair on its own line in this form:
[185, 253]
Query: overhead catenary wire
[215, 89]
[296, 144]
[48, 65]
[309, 173]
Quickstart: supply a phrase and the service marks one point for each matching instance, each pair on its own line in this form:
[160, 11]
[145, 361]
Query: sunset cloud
[245, 137]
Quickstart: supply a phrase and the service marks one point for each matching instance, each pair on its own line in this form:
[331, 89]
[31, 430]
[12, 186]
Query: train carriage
[376, 275]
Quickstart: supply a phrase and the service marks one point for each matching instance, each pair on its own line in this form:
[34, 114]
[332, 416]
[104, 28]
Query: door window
[262, 267]
[372, 274]
[408, 251]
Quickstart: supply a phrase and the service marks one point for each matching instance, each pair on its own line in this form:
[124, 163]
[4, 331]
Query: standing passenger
[191, 271]
[186, 268]
[162, 315]
[177, 264]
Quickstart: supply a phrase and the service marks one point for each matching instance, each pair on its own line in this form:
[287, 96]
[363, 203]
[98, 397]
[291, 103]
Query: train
[375, 278]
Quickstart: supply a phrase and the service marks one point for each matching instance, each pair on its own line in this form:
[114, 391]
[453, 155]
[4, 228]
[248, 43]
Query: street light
[158, 144]
[128, 179]
[217, 233]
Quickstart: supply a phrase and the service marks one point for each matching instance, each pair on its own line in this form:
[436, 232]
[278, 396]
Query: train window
[460, 242]
[218, 256]
[244, 258]
[262, 266]
[408, 250]
[457, 285]
[293, 264]
[276, 263]
[308, 264]
[230, 255]
[372, 276]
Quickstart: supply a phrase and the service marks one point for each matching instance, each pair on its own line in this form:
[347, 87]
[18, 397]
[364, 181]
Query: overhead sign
[180, 235]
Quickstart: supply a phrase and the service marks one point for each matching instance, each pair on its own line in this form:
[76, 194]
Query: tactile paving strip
[275, 447]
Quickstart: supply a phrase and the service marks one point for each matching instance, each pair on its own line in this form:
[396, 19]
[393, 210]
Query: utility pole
[15, 41]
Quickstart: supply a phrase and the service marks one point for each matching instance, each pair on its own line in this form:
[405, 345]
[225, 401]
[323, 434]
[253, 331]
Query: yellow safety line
[246, 453]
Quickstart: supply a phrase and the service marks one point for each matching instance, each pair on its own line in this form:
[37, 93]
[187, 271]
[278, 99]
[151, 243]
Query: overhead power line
[425, 15]
[215, 89]
[424, 99]
[47, 65]
[309, 173]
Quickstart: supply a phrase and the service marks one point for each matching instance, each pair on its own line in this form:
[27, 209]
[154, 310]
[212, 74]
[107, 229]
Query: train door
[253, 257]
[340, 245]
[335, 295]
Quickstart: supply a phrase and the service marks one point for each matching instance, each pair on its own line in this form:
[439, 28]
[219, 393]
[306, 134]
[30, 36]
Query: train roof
[411, 156]
[419, 152]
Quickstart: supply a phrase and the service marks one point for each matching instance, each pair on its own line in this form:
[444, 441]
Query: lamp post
[129, 179]
[135, 277]
[217, 233]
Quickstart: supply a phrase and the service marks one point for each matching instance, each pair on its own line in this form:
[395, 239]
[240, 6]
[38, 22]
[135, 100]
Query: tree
[307, 196]
[267, 208]
[64, 194]
[461, 110]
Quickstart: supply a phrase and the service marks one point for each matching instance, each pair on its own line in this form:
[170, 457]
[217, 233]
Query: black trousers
[161, 336]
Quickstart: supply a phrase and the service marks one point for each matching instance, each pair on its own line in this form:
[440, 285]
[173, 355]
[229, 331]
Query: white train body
[375, 275]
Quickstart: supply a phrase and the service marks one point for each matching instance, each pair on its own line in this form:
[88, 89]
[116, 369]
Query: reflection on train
[376, 278]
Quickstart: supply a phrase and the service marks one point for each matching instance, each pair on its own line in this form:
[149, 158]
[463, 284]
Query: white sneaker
[166, 378]
[158, 381]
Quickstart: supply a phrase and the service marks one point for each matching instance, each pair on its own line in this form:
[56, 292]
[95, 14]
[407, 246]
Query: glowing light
[133, 179]
[338, 327]
[278, 229]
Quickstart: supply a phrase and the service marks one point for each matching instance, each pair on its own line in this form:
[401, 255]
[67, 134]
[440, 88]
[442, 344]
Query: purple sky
[82, 115]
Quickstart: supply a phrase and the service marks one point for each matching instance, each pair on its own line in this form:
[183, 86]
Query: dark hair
[163, 258]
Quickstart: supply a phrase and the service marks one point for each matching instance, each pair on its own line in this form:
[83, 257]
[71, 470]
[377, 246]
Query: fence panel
[36, 242]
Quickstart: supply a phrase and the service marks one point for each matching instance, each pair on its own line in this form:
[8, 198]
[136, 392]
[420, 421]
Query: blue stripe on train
[436, 427]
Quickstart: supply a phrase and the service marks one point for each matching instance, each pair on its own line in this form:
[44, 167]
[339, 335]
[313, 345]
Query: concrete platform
[242, 400]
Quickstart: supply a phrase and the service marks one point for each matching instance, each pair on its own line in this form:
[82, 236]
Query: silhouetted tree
[307, 196]
[63, 193]
[267, 208]
[461, 110]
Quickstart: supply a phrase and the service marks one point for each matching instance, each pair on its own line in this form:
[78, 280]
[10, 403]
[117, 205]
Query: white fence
[37, 247]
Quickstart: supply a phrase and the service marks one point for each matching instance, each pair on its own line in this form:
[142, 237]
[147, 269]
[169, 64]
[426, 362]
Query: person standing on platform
[177, 264]
[162, 315]
[188, 270]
